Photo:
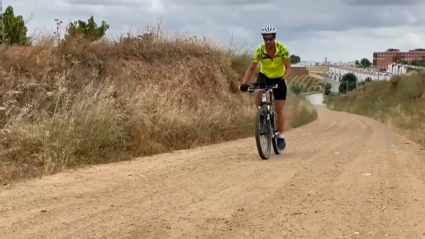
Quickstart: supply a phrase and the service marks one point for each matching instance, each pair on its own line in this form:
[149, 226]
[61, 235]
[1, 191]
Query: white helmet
[268, 29]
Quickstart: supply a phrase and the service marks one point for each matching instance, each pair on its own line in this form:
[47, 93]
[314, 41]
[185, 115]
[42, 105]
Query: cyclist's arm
[287, 62]
[249, 72]
[251, 69]
[288, 67]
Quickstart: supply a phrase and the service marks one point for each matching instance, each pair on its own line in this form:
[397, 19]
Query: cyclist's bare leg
[257, 95]
[280, 111]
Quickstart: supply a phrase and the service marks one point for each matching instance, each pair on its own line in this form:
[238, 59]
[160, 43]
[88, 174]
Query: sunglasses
[268, 39]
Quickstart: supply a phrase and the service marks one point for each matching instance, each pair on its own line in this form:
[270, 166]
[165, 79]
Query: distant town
[381, 60]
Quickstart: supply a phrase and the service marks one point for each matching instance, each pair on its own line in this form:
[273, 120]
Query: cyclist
[275, 68]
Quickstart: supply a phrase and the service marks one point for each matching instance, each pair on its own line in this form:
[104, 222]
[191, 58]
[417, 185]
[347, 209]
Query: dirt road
[342, 176]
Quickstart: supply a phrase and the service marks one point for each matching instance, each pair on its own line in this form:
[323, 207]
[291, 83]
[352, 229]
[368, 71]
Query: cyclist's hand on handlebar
[243, 87]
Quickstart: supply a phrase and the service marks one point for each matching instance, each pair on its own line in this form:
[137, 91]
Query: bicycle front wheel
[262, 133]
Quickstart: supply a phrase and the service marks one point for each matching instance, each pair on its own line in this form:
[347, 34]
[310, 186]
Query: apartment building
[381, 60]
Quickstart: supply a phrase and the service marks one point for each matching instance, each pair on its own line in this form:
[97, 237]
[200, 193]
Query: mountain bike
[266, 121]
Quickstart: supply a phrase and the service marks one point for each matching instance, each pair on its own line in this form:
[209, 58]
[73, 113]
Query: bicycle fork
[273, 123]
[269, 128]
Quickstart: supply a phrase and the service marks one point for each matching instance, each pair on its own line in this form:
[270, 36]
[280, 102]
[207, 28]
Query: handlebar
[254, 87]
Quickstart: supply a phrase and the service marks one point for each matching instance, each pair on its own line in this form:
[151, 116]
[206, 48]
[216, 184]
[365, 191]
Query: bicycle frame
[267, 111]
[267, 99]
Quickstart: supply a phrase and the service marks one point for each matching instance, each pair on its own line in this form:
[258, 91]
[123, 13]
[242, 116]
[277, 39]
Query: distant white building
[401, 69]
[336, 72]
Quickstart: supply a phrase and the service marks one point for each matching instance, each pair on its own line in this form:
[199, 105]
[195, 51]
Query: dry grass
[82, 103]
[399, 103]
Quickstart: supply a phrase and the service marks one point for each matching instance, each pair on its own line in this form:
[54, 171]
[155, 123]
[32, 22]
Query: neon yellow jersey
[272, 68]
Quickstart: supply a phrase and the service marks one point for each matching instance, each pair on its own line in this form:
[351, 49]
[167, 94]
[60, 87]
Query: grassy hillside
[82, 103]
[399, 103]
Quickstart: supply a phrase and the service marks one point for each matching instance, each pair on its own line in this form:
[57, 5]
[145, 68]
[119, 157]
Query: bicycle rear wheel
[263, 136]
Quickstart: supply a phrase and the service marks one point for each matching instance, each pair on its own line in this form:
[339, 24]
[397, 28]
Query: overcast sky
[342, 30]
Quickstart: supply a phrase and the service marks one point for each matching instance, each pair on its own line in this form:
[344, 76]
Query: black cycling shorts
[280, 92]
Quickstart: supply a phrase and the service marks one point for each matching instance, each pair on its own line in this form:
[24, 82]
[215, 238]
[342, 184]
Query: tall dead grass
[82, 103]
[399, 103]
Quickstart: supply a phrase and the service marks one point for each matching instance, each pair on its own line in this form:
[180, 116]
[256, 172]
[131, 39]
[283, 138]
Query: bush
[85, 103]
[296, 89]
[87, 30]
[328, 88]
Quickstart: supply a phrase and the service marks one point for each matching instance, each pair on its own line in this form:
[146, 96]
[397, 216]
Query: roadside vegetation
[398, 103]
[86, 100]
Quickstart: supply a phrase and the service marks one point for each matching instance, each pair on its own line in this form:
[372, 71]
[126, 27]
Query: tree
[348, 79]
[14, 29]
[357, 63]
[87, 30]
[328, 88]
[295, 59]
[418, 63]
[368, 79]
[365, 63]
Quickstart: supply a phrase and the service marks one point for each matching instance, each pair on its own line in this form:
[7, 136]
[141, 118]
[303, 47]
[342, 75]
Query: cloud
[357, 43]
[339, 29]
[384, 2]
[157, 7]
[105, 2]
[222, 2]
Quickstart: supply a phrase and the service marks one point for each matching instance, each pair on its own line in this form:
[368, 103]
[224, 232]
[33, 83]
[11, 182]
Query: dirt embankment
[83, 103]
